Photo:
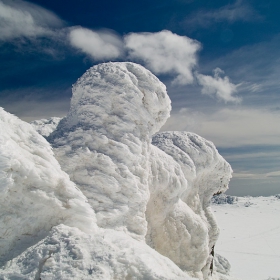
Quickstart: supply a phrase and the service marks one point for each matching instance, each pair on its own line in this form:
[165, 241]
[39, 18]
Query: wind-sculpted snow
[148, 214]
[185, 177]
[68, 253]
[35, 194]
[159, 194]
[104, 141]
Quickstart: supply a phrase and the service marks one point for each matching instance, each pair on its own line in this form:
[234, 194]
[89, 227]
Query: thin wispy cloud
[99, 45]
[23, 19]
[230, 127]
[257, 176]
[239, 11]
[165, 53]
[218, 86]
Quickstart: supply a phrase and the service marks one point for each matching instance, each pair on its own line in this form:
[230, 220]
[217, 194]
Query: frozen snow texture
[185, 177]
[147, 193]
[46, 126]
[35, 194]
[163, 196]
[104, 141]
[68, 253]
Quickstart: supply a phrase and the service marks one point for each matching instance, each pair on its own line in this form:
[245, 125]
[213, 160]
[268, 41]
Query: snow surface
[35, 193]
[46, 126]
[249, 238]
[148, 213]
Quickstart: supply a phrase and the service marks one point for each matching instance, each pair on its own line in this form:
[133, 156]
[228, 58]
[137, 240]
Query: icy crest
[151, 195]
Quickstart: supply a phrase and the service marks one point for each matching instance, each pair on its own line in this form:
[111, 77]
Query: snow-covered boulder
[46, 126]
[35, 194]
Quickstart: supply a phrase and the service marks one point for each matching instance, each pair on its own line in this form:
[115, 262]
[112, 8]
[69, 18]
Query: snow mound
[46, 126]
[35, 194]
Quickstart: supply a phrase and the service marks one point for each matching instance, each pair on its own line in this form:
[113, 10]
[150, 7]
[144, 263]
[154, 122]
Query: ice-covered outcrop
[104, 141]
[35, 194]
[46, 126]
[159, 192]
[148, 213]
[68, 253]
[186, 172]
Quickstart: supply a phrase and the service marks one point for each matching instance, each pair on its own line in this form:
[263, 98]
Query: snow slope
[249, 238]
[143, 211]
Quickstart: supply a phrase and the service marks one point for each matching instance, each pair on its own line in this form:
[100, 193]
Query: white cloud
[20, 18]
[238, 11]
[230, 127]
[98, 44]
[165, 53]
[217, 86]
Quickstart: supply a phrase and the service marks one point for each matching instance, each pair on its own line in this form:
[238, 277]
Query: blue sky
[219, 60]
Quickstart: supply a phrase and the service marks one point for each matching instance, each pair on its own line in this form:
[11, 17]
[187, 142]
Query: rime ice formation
[104, 141]
[181, 224]
[68, 253]
[35, 193]
[46, 126]
[150, 215]
[158, 193]
[49, 231]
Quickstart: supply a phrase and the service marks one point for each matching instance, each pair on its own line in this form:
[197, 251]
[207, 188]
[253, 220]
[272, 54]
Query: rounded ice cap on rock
[35, 194]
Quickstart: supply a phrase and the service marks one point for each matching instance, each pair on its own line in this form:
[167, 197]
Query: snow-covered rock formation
[35, 193]
[104, 141]
[104, 144]
[150, 215]
[181, 223]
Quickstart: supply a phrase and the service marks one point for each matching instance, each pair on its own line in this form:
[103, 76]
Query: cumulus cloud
[238, 11]
[165, 53]
[99, 45]
[217, 86]
[23, 19]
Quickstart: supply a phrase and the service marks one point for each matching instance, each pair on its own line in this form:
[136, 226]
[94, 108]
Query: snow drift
[150, 195]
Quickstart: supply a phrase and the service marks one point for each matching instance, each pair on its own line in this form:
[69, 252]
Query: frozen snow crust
[145, 208]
